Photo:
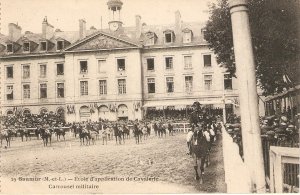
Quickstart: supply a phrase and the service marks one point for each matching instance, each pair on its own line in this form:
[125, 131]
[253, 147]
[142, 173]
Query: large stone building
[114, 73]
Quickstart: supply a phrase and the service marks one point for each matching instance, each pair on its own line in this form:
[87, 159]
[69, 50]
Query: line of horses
[88, 133]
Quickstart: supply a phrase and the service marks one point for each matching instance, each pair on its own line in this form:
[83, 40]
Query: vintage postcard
[132, 96]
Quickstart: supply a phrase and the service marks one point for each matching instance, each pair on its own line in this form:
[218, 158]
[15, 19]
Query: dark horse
[59, 131]
[118, 134]
[46, 135]
[137, 133]
[200, 147]
[83, 134]
[161, 131]
[24, 133]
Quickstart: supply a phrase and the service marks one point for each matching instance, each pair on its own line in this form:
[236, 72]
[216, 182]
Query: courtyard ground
[119, 168]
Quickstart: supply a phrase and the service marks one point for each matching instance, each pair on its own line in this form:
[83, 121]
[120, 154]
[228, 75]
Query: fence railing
[284, 169]
[290, 176]
[182, 127]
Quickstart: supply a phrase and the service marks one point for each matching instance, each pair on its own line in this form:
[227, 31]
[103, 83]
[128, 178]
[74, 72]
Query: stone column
[248, 94]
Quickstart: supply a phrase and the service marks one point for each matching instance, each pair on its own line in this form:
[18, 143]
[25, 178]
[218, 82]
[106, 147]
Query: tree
[275, 37]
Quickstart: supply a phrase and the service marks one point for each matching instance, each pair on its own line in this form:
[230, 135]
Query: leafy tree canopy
[275, 36]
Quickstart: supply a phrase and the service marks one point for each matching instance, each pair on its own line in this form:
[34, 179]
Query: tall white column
[247, 93]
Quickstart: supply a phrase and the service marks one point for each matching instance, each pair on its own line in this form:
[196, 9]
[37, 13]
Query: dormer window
[43, 46]
[169, 36]
[9, 48]
[150, 41]
[26, 47]
[187, 36]
[151, 38]
[59, 45]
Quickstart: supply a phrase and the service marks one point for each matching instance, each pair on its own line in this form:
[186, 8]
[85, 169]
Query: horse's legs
[196, 169]
[202, 169]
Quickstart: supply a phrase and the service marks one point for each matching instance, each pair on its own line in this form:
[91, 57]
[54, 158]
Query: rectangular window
[187, 61]
[101, 66]
[150, 64]
[169, 63]
[26, 71]
[84, 88]
[26, 47]
[10, 48]
[207, 82]
[60, 45]
[9, 72]
[170, 84]
[9, 92]
[122, 86]
[60, 90]
[168, 37]
[151, 85]
[227, 82]
[26, 91]
[43, 90]
[43, 46]
[83, 67]
[121, 64]
[207, 60]
[43, 71]
[188, 84]
[102, 87]
[60, 69]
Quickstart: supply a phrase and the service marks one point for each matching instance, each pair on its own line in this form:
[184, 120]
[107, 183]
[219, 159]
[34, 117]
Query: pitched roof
[125, 34]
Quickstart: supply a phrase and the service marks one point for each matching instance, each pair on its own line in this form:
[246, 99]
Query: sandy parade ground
[154, 166]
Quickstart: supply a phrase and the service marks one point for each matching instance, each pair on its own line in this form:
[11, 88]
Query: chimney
[82, 28]
[178, 24]
[47, 29]
[138, 26]
[14, 32]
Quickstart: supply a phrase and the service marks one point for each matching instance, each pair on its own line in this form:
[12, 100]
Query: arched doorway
[26, 112]
[61, 113]
[43, 111]
[103, 112]
[84, 113]
[9, 113]
[122, 112]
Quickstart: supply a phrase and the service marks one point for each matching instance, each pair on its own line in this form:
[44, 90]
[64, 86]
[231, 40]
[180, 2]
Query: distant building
[115, 73]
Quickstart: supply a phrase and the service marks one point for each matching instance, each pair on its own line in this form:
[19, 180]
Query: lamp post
[245, 68]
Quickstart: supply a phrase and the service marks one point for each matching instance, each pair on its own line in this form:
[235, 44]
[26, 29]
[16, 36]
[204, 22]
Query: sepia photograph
[149, 97]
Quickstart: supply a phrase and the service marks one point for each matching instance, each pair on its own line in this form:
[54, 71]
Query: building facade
[115, 73]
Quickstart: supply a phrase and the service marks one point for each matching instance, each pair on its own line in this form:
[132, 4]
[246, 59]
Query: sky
[64, 14]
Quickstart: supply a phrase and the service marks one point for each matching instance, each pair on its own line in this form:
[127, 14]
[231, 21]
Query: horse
[24, 133]
[59, 131]
[126, 132]
[83, 134]
[136, 133]
[117, 134]
[199, 147]
[46, 135]
[161, 131]
[170, 128]
[5, 134]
